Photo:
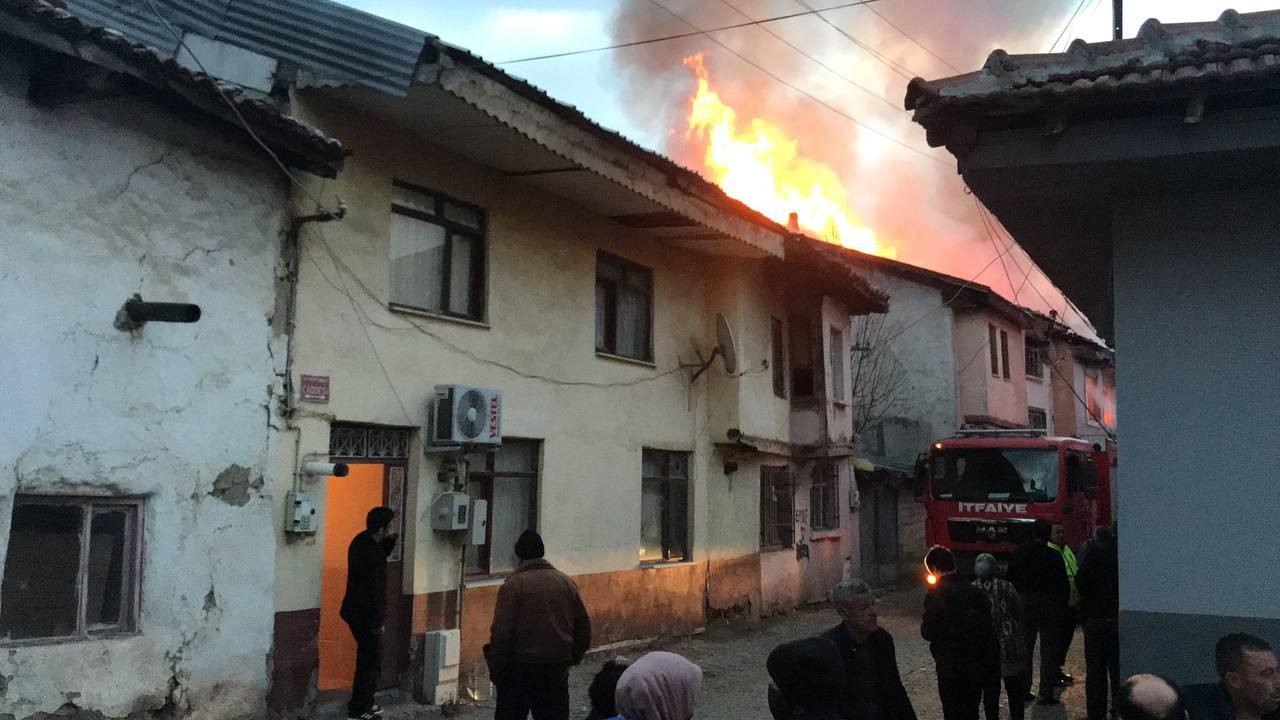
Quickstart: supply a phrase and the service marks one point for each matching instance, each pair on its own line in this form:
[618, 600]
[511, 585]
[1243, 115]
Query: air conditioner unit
[462, 415]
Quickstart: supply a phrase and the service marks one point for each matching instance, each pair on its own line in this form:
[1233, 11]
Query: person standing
[1099, 583]
[962, 639]
[873, 685]
[1071, 618]
[1006, 615]
[364, 607]
[540, 629]
[1040, 576]
[809, 676]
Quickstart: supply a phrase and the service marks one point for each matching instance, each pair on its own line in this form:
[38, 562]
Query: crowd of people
[981, 633]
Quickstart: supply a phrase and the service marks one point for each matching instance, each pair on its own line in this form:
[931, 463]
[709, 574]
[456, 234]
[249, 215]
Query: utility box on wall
[301, 509]
[450, 511]
[441, 655]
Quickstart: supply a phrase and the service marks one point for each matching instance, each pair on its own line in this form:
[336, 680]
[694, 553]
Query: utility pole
[1117, 19]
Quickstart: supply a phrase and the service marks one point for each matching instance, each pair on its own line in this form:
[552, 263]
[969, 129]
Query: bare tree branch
[878, 377]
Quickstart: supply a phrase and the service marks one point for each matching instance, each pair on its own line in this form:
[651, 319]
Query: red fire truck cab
[986, 490]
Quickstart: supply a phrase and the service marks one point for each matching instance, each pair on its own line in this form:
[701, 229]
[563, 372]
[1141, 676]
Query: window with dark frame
[664, 507]
[1004, 353]
[1034, 361]
[1037, 418]
[777, 508]
[776, 340]
[993, 346]
[838, 355]
[71, 569]
[437, 253]
[824, 497]
[624, 307]
[801, 357]
[508, 480]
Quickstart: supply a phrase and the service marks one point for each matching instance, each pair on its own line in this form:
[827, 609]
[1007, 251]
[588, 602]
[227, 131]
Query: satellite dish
[727, 348]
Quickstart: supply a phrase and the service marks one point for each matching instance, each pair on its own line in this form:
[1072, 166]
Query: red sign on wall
[315, 388]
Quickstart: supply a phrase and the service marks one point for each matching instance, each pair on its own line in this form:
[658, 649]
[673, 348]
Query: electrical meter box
[450, 512]
[302, 517]
[479, 530]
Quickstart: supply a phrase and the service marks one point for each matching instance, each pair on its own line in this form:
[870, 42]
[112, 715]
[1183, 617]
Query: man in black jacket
[873, 686]
[364, 607]
[1099, 585]
[1248, 686]
[1040, 576]
[962, 638]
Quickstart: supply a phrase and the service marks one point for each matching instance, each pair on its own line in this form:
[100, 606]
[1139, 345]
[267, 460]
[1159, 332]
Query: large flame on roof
[760, 166]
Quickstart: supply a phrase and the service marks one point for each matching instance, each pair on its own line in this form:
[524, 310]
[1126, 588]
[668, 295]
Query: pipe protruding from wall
[136, 312]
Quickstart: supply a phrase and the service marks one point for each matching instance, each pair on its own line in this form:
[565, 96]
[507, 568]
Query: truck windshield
[978, 474]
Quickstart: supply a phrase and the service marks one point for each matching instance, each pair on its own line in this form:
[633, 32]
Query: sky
[834, 82]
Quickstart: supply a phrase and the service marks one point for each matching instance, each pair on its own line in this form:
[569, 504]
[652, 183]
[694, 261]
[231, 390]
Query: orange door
[347, 502]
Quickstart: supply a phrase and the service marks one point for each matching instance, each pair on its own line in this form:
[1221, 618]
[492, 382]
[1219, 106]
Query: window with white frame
[624, 307]
[1034, 361]
[824, 497]
[777, 515]
[508, 480]
[837, 366]
[664, 506]
[437, 253]
[71, 568]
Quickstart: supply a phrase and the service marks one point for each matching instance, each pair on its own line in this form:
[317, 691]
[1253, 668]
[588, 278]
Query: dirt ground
[732, 656]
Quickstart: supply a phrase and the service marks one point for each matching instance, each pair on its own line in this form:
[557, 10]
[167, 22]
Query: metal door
[878, 533]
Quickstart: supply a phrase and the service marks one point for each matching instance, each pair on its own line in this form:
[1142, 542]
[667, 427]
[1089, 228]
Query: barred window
[824, 497]
[777, 514]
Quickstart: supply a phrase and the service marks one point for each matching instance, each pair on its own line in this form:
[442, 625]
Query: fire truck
[987, 490]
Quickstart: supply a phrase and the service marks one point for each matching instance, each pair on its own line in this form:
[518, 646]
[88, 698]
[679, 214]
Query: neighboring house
[135, 458]
[1140, 174]
[498, 239]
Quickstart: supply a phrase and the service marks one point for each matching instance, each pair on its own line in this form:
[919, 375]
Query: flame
[761, 167]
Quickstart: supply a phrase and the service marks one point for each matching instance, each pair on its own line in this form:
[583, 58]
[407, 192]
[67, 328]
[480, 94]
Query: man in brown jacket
[540, 629]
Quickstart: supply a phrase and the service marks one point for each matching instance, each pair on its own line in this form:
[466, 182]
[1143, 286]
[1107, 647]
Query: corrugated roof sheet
[1233, 49]
[335, 43]
[296, 140]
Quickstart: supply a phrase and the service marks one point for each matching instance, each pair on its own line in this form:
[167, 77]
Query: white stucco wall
[1040, 395]
[541, 321]
[981, 392]
[101, 199]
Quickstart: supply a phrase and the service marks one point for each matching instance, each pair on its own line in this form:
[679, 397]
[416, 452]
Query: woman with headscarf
[659, 686]
[1006, 614]
[809, 676]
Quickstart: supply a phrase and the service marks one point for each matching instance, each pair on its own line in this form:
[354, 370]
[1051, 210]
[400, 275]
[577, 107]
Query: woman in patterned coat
[1006, 615]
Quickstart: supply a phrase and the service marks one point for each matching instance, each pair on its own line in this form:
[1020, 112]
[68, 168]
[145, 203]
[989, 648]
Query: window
[991, 474]
[801, 344]
[72, 568]
[779, 358]
[1035, 362]
[508, 481]
[1004, 353]
[993, 347]
[624, 308]
[664, 507]
[437, 254]
[824, 497]
[777, 515]
[837, 365]
[1037, 418]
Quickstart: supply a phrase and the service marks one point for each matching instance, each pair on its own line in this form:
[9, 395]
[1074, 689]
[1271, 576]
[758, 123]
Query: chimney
[793, 223]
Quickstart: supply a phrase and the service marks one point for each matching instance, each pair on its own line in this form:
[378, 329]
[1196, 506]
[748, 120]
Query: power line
[805, 93]
[1064, 27]
[912, 39]
[679, 36]
[896, 106]
[887, 61]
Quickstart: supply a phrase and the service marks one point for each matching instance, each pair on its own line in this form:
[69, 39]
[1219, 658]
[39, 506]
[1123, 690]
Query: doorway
[878, 533]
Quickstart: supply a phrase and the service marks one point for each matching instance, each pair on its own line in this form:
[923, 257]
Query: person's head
[984, 566]
[940, 561]
[659, 686]
[1058, 534]
[529, 546]
[378, 522]
[1247, 668]
[604, 685]
[1149, 697]
[1103, 535]
[809, 673]
[1041, 532]
[856, 605]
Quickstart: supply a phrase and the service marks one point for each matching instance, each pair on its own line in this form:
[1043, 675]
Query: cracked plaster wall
[100, 199]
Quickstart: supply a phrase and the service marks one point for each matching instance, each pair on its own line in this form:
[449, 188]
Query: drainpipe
[293, 261]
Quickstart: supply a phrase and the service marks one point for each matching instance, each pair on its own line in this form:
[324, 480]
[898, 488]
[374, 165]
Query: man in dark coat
[540, 629]
[364, 607]
[873, 687]
[809, 675]
[962, 638]
[1248, 686]
[1039, 574]
[1099, 585]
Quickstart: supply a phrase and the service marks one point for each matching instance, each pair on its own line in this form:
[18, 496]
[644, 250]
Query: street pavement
[732, 656]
